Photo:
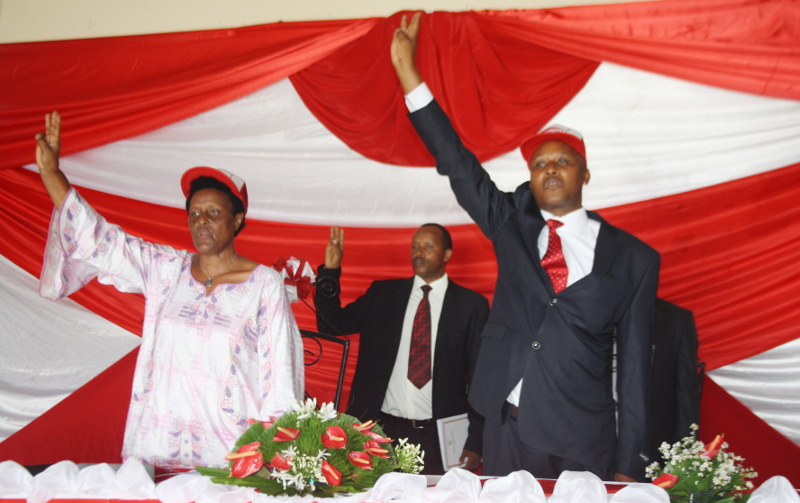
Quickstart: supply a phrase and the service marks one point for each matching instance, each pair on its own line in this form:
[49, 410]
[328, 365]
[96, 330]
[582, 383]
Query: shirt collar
[440, 284]
[574, 221]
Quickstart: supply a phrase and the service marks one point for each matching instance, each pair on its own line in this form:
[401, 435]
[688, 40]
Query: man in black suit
[386, 316]
[543, 377]
[676, 381]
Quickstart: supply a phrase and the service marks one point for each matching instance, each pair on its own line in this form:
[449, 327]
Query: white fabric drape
[769, 385]
[49, 348]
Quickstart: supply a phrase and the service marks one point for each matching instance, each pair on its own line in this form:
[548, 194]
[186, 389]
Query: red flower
[364, 427]
[332, 475]
[334, 438]
[373, 448]
[666, 481]
[281, 463]
[712, 449]
[248, 460]
[360, 459]
[377, 438]
[286, 434]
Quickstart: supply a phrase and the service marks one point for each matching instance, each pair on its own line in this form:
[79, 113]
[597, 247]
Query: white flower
[306, 409]
[410, 458]
[327, 412]
[305, 473]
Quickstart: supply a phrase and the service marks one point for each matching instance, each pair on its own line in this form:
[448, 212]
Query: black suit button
[536, 345]
[553, 302]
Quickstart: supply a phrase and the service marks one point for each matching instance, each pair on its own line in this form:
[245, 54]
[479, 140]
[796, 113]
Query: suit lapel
[605, 253]
[449, 311]
[606, 249]
[444, 331]
[531, 229]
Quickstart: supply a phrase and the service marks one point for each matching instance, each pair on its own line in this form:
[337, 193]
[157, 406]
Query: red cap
[554, 133]
[236, 184]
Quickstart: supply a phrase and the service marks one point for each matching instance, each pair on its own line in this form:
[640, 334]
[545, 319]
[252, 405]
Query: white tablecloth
[132, 482]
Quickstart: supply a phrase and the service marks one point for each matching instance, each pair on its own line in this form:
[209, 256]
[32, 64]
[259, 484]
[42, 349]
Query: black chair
[318, 339]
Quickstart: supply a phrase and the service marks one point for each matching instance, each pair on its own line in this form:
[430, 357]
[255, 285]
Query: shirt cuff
[420, 97]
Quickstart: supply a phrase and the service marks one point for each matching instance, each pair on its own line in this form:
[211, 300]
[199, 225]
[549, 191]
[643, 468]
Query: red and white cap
[236, 184]
[554, 133]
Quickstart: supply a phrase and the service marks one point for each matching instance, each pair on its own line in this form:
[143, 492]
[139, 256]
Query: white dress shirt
[419, 97]
[403, 399]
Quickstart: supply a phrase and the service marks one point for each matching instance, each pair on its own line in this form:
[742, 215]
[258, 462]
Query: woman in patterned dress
[219, 345]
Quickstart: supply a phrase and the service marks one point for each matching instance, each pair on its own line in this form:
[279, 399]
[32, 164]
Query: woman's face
[211, 220]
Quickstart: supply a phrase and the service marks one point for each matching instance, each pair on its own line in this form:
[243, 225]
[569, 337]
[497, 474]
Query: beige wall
[34, 20]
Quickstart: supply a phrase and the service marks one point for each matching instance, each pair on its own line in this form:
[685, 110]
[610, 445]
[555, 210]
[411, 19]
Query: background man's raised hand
[335, 249]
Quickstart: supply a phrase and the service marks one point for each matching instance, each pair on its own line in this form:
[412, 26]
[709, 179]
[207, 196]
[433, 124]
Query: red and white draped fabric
[690, 110]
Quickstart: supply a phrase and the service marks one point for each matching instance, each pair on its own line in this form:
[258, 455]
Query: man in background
[419, 342]
[676, 381]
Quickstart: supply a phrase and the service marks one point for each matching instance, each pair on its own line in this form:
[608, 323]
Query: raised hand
[48, 144]
[48, 148]
[404, 47]
[335, 249]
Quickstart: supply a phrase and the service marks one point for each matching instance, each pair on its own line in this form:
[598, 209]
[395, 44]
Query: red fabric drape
[763, 448]
[114, 88]
[720, 257]
[86, 427]
[118, 87]
[498, 89]
[745, 45]
[728, 253]
[501, 76]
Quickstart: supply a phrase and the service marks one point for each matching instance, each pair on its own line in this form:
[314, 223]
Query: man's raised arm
[404, 47]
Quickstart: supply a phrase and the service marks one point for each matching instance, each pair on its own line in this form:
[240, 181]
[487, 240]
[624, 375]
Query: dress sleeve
[280, 350]
[82, 246]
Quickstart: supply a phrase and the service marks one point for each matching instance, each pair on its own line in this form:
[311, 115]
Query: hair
[447, 241]
[207, 182]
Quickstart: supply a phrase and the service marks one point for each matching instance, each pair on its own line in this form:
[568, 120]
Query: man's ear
[447, 255]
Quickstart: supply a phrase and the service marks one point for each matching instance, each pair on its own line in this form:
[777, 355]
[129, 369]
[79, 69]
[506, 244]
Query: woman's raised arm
[47, 151]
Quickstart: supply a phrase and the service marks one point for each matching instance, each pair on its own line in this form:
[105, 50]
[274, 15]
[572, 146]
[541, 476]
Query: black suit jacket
[378, 317]
[560, 344]
[676, 382]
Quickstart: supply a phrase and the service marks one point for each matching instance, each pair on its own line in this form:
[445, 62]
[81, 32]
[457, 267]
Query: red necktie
[553, 261]
[419, 357]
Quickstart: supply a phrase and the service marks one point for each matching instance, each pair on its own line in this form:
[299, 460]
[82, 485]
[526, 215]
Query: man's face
[428, 256]
[558, 174]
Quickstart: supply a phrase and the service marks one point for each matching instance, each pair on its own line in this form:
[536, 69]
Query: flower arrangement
[702, 473]
[314, 451]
